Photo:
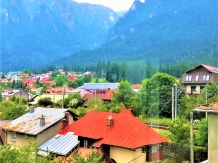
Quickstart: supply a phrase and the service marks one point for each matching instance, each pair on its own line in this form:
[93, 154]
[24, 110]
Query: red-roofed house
[107, 97]
[195, 79]
[22, 75]
[121, 137]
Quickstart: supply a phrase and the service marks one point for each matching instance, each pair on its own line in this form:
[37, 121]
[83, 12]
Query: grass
[159, 121]
[100, 80]
[165, 133]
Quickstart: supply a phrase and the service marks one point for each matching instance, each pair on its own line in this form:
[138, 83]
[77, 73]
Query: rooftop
[59, 144]
[29, 123]
[213, 107]
[127, 131]
[99, 86]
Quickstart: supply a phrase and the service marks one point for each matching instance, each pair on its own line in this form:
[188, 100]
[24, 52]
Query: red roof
[108, 95]
[212, 106]
[22, 75]
[127, 131]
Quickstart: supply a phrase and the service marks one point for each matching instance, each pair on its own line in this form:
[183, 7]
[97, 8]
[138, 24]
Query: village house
[120, 137]
[195, 79]
[212, 116]
[6, 94]
[39, 123]
[99, 88]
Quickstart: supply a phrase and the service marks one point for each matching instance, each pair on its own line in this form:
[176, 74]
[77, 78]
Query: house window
[201, 88]
[144, 149]
[206, 77]
[85, 143]
[188, 78]
[13, 136]
[193, 89]
[154, 148]
[196, 77]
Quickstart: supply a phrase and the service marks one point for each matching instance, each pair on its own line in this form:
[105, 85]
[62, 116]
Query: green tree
[80, 81]
[124, 94]
[99, 69]
[73, 100]
[1, 97]
[46, 101]
[186, 104]
[202, 133]
[3, 76]
[80, 111]
[87, 78]
[210, 92]
[25, 154]
[93, 157]
[43, 89]
[73, 84]
[11, 110]
[155, 95]
[180, 131]
[61, 80]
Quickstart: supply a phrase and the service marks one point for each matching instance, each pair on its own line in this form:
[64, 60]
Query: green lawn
[100, 80]
[160, 121]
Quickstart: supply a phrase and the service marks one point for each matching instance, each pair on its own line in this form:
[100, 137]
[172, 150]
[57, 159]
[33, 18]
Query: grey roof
[59, 144]
[99, 86]
[29, 123]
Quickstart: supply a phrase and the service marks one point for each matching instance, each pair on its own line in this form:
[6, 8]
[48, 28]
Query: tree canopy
[156, 95]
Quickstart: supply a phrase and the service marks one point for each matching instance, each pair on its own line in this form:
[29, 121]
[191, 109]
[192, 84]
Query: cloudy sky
[116, 5]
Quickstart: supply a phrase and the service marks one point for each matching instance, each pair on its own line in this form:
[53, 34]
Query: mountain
[34, 33]
[161, 32]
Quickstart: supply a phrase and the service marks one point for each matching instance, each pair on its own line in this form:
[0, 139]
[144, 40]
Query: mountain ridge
[35, 33]
[186, 31]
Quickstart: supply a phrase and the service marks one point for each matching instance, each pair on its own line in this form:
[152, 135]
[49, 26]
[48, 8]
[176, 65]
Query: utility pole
[206, 96]
[95, 100]
[191, 138]
[172, 104]
[63, 98]
[175, 100]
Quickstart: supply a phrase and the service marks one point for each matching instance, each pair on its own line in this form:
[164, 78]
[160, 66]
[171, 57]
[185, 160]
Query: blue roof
[59, 144]
[99, 86]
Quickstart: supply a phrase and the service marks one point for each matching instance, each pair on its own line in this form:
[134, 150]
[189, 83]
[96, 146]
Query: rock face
[34, 32]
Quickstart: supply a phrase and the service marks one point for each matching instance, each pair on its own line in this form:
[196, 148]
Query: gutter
[208, 111]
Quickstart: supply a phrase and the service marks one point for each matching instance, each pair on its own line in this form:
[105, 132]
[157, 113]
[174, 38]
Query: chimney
[42, 121]
[110, 121]
[32, 109]
[64, 122]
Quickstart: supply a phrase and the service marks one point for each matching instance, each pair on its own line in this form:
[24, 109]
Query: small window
[144, 149]
[154, 148]
[201, 88]
[13, 135]
[188, 78]
[25, 136]
[206, 77]
[85, 143]
[197, 78]
[193, 89]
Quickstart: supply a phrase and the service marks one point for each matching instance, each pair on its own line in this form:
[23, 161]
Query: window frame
[188, 78]
[13, 136]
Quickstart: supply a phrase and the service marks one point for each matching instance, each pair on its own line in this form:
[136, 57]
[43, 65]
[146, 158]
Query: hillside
[161, 32]
[34, 33]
